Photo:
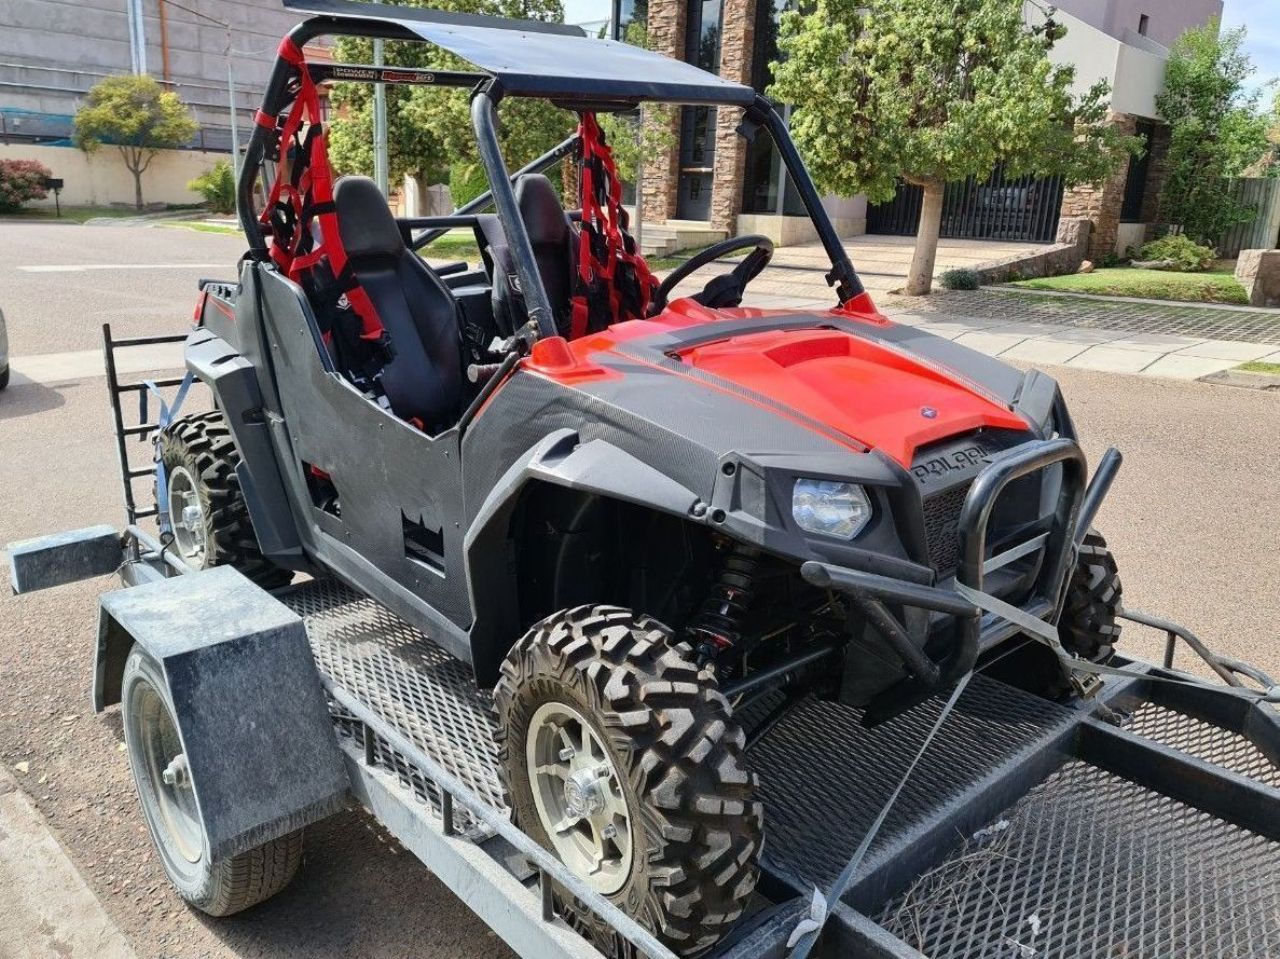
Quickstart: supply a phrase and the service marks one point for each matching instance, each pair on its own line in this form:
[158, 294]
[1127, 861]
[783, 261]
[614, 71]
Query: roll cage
[603, 78]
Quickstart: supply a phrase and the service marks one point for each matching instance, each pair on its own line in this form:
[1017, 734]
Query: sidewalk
[1173, 340]
[46, 909]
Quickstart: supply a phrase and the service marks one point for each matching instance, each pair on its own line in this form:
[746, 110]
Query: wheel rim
[165, 766]
[579, 798]
[187, 516]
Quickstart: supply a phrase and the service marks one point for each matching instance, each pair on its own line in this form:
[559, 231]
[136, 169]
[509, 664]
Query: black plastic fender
[560, 459]
[248, 702]
[234, 383]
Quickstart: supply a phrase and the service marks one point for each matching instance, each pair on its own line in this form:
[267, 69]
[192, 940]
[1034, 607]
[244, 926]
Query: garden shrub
[21, 181]
[959, 279]
[466, 182]
[1184, 253]
[218, 187]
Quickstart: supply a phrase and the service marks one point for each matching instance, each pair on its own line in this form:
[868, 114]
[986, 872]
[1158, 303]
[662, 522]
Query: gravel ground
[1194, 519]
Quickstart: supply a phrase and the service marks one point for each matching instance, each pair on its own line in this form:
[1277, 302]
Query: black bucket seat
[423, 378]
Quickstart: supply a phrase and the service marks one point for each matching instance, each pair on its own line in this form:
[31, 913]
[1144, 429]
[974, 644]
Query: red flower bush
[20, 181]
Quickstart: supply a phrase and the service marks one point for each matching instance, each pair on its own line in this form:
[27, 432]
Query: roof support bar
[485, 119]
[842, 276]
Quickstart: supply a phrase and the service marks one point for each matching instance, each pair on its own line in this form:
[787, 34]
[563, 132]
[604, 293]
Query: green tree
[933, 91]
[1215, 131]
[136, 115]
[429, 129]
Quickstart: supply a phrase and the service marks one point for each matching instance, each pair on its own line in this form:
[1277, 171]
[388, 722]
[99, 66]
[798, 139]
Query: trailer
[1142, 822]
[653, 624]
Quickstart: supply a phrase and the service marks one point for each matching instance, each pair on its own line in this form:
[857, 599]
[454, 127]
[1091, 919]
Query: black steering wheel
[722, 291]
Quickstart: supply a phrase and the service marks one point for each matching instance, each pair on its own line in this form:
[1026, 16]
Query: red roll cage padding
[613, 281]
[300, 213]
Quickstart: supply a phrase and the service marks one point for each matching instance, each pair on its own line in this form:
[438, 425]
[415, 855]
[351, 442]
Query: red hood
[876, 395]
[879, 396]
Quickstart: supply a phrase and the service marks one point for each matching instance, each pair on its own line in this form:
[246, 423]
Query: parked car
[4, 353]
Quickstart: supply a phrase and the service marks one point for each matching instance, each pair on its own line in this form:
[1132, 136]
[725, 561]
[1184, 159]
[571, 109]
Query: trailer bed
[1029, 829]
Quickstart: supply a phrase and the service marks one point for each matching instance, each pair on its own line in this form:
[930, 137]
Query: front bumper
[880, 598]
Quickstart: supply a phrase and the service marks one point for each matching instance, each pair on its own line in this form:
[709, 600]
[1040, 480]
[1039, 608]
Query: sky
[1262, 20]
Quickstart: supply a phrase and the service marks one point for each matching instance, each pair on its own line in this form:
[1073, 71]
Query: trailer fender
[234, 383]
[561, 459]
[61, 558]
[250, 710]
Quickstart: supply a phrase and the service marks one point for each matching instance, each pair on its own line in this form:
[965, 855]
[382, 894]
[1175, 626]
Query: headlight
[831, 508]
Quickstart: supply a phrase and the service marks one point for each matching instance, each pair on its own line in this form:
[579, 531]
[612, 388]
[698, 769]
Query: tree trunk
[137, 189]
[920, 276]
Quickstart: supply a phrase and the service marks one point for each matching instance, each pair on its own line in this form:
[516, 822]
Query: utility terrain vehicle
[634, 507]
[708, 558]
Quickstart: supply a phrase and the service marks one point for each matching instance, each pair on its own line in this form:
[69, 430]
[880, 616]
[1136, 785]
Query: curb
[1243, 379]
[46, 907]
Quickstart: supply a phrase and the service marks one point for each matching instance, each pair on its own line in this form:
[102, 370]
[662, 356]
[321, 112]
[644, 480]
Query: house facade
[710, 176]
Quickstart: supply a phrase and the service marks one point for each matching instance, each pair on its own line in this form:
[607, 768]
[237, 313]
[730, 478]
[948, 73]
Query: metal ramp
[1030, 829]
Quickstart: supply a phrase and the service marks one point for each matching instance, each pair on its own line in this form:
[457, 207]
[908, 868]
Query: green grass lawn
[201, 227]
[1271, 369]
[71, 214]
[1213, 286]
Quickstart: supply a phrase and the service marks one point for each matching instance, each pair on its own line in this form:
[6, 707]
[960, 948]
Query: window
[1143, 20]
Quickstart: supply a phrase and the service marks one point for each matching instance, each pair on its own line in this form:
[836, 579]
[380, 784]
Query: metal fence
[997, 208]
[1263, 231]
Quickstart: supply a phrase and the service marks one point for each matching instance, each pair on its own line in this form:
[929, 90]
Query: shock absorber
[717, 624]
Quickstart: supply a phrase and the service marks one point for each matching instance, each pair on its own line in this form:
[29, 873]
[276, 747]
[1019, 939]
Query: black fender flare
[560, 459]
[234, 383]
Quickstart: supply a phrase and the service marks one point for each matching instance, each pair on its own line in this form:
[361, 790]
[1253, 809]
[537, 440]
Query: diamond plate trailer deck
[1145, 823]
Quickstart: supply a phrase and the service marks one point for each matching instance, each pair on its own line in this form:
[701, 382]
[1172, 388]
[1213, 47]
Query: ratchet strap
[168, 412]
[807, 930]
[613, 281]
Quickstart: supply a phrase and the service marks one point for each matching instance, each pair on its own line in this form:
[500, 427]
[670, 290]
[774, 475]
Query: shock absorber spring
[717, 625]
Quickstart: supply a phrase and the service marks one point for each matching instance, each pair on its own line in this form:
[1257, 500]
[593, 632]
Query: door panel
[395, 530]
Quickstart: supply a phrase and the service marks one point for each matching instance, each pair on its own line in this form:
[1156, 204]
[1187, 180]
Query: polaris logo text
[957, 461]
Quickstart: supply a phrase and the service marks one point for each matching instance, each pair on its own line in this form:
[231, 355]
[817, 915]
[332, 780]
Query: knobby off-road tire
[695, 827]
[1088, 626]
[231, 885]
[199, 450]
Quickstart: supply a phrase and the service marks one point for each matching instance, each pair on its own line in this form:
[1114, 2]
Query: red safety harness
[306, 243]
[613, 280]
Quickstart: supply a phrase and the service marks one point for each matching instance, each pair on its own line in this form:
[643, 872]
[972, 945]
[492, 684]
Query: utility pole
[381, 174]
[231, 76]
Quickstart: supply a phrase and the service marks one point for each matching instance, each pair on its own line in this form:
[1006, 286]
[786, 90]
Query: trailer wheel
[1088, 626]
[619, 757]
[169, 807]
[211, 525]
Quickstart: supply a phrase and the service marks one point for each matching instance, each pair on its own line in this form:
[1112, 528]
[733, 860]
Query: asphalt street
[1194, 519]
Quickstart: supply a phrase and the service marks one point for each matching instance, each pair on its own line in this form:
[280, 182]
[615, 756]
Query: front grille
[941, 525]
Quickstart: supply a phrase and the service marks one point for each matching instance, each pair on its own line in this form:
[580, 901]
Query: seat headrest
[364, 219]
[540, 209]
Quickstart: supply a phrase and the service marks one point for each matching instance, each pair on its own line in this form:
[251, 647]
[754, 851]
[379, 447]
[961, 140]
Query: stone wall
[660, 186]
[1157, 173]
[1100, 202]
[736, 41]
[1057, 259]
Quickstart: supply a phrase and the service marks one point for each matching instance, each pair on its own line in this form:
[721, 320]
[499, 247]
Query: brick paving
[1094, 313]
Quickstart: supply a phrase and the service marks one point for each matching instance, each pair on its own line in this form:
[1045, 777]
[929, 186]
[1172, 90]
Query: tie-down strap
[1046, 633]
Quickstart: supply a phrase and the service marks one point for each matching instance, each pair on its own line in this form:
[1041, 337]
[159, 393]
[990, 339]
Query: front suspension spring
[718, 623]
